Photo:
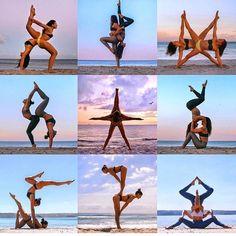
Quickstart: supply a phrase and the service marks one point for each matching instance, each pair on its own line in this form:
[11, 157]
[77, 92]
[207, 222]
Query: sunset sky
[137, 96]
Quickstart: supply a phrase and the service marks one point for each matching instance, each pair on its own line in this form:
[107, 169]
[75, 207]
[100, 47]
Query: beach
[112, 70]
[40, 150]
[193, 150]
[188, 230]
[196, 67]
[40, 72]
[38, 231]
[115, 230]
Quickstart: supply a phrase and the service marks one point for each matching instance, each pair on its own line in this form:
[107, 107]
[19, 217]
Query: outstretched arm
[181, 39]
[115, 176]
[101, 118]
[124, 117]
[126, 204]
[208, 192]
[40, 24]
[217, 52]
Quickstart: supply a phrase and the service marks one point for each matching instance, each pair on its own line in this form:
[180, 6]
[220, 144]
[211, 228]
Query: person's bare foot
[32, 12]
[36, 87]
[12, 195]
[40, 174]
[34, 146]
[70, 182]
[191, 88]
[204, 84]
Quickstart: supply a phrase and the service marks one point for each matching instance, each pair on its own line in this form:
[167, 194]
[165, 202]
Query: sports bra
[197, 214]
[210, 46]
[128, 197]
[114, 168]
[186, 41]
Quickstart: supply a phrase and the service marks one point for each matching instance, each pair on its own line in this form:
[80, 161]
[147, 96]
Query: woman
[127, 199]
[117, 34]
[26, 218]
[198, 44]
[113, 172]
[50, 121]
[40, 39]
[116, 118]
[39, 185]
[34, 119]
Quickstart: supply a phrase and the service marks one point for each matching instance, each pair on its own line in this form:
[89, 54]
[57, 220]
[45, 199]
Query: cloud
[2, 39]
[141, 172]
[91, 173]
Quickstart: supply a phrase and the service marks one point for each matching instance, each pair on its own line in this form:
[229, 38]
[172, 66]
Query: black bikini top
[49, 35]
[203, 135]
[186, 44]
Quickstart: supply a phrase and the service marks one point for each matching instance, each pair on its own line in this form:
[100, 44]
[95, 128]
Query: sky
[62, 91]
[94, 23]
[97, 189]
[96, 97]
[217, 171]
[13, 34]
[62, 199]
[199, 14]
[173, 116]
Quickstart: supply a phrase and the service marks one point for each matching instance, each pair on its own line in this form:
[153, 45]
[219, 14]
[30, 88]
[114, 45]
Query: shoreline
[40, 72]
[193, 150]
[115, 230]
[38, 231]
[112, 70]
[188, 230]
[196, 67]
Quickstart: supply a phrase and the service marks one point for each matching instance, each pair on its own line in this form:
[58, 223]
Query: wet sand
[39, 231]
[115, 230]
[193, 150]
[112, 70]
[40, 150]
[197, 67]
[40, 72]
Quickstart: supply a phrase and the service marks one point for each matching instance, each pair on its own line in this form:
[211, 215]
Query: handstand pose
[34, 119]
[125, 198]
[198, 44]
[26, 219]
[113, 171]
[39, 185]
[50, 121]
[116, 118]
[40, 39]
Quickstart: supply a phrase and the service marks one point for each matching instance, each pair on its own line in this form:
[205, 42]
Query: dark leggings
[191, 197]
[41, 107]
[197, 101]
[125, 21]
[198, 224]
[33, 123]
[197, 143]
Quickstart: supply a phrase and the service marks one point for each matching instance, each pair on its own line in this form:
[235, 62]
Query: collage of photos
[117, 116]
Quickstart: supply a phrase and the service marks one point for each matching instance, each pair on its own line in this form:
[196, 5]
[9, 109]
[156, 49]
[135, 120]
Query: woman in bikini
[113, 172]
[26, 218]
[50, 121]
[116, 118]
[127, 199]
[34, 119]
[198, 44]
[37, 185]
[40, 39]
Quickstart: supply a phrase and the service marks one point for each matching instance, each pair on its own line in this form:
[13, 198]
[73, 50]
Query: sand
[188, 230]
[39, 231]
[112, 70]
[193, 150]
[40, 72]
[115, 230]
[29, 150]
[201, 67]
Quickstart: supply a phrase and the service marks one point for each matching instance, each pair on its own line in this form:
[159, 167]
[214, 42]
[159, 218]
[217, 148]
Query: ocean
[113, 63]
[61, 144]
[222, 144]
[95, 135]
[229, 53]
[108, 221]
[39, 64]
[53, 222]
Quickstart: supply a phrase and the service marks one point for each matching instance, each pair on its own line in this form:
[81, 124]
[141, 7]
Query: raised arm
[125, 118]
[30, 97]
[41, 24]
[126, 204]
[101, 118]
[115, 176]
[181, 39]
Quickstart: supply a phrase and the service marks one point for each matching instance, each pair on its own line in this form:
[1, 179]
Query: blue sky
[13, 33]
[97, 189]
[94, 23]
[61, 199]
[199, 13]
[177, 171]
[62, 91]
[173, 116]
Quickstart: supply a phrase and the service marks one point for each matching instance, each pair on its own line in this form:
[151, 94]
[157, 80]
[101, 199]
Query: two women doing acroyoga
[31, 220]
[197, 212]
[39, 113]
[120, 197]
[197, 43]
[198, 135]
[117, 34]
[40, 39]
[116, 118]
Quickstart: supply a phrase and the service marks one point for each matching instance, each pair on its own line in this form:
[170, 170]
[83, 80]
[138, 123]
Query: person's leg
[113, 40]
[183, 192]
[187, 140]
[213, 219]
[116, 204]
[192, 33]
[197, 143]
[197, 101]
[193, 53]
[122, 131]
[110, 132]
[31, 179]
[41, 107]
[35, 34]
[42, 184]
[208, 192]
[123, 174]
[116, 101]
[128, 21]
[33, 123]
[181, 220]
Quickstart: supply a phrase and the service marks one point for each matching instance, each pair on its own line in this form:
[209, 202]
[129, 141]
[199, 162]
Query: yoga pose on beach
[116, 118]
[192, 130]
[113, 171]
[34, 119]
[36, 185]
[40, 39]
[40, 111]
[26, 218]
[123, 198]
[117, 34]
[197, 43]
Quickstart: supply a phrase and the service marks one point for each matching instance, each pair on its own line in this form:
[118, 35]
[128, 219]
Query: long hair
[26, 61]
[208, 125]
[171, 49]
[51, 22]
[222, 47]
[114, 19]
